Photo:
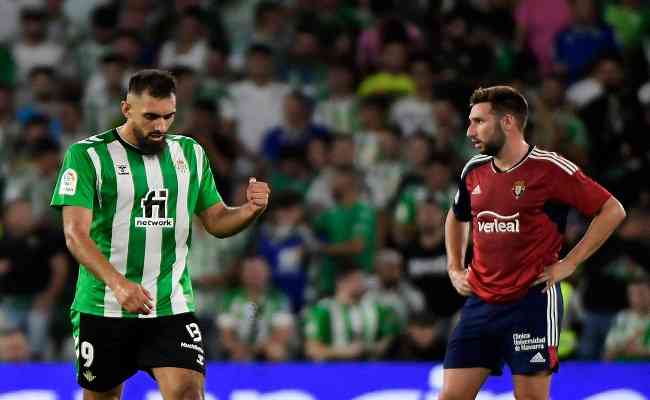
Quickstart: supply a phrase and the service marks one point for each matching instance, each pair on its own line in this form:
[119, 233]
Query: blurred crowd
[355, 112]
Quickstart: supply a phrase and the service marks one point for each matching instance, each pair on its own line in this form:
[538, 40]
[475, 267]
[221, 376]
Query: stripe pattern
[561, 162]
[552, 317]
[144, 244]
[124, 193]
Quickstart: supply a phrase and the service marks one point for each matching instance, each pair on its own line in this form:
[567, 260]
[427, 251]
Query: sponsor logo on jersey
[491, 222]
[68, 184]
[518, 188]
[154, 210]
[122, 169]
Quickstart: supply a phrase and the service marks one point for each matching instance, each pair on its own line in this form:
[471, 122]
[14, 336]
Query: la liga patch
[68, 184]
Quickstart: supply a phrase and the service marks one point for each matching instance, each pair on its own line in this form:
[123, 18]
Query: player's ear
[507, 122]
[126, 109]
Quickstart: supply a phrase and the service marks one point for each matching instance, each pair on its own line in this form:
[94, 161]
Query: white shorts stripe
[548, 318]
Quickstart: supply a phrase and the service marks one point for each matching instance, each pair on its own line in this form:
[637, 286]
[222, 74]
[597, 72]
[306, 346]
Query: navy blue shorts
[524, 334]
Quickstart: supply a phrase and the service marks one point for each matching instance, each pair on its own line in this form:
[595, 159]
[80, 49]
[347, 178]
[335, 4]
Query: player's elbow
[616, 210]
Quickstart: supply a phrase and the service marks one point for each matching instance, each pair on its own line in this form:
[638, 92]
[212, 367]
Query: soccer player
[127, 197]
[516, 197]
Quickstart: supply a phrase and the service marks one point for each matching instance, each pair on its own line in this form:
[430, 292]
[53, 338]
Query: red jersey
[518, 218]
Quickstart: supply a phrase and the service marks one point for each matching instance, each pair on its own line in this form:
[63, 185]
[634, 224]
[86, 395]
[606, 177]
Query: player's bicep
[579, 191]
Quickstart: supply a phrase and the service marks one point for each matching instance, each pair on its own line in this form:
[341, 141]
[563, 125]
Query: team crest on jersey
[518, 188]
[181, 165]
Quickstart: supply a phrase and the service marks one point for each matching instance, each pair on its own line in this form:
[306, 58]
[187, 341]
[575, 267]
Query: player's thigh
[532, 387]
[179, 383]
[113, 394]
[104, 349]
[462, 383]
[172, 341]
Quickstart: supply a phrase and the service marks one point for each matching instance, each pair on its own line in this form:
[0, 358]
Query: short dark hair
[504, 100]
[346, 268]
[158, 83]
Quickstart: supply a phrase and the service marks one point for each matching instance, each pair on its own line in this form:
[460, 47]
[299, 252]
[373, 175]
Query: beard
[494, 146]
[146, 144]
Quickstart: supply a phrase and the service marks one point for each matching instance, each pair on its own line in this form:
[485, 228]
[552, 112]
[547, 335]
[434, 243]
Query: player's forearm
[85, 251]
[602, 226]
[456, 239]
[231, 220]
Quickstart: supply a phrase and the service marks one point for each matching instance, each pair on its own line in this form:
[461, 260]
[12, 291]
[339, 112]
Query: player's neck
[125, 132]
[511, 154]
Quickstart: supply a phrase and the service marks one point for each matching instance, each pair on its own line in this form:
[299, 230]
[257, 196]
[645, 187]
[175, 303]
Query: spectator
[432, 183]
[41, 94]
[339, 328]
[426, 263]
[30, 285]
[373, 118]
[34, 183]
[423, 340]
[392, 289]
[283, 241]
[386, 28]
[338, 112]
[33, 49]
[88, 53]
[103, 95]
[348, 229]
[72, 122]
[583, 41]
[303, 67]
[340, 152]
[255, 319]
[629, 19]
[189, 48]
[296, 131]
[255, 100]
[414, 113]
[629, 336]
[537, 25]
[556, 126]
[391, 80]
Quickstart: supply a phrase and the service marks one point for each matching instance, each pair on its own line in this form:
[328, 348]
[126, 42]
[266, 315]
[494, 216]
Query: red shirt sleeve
[578, 190]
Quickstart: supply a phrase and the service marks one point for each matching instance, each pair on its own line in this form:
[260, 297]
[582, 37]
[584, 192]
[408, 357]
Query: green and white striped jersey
[142, 214]
[336, 324]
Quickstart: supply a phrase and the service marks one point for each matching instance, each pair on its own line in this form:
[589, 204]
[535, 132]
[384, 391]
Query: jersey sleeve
[208, 193]
[574, 188]
[461, 205]
[75, 185]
